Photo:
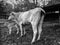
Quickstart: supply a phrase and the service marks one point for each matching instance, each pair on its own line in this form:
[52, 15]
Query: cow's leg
[40, 27]
[17, 28]
[21, 28]
[34, 33]
[24, 31]
[10, 28]
[34, 27]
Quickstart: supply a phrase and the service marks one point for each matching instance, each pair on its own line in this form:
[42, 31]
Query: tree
[42, 2]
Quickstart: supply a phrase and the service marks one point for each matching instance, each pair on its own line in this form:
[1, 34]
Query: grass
[50, 35]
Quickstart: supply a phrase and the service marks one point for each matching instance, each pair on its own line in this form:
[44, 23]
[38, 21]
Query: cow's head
[12, 16]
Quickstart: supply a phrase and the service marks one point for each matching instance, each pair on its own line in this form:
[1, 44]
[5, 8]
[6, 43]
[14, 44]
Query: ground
[50, 35]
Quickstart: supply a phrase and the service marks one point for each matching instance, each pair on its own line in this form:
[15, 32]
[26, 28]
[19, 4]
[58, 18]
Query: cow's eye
[12, 14]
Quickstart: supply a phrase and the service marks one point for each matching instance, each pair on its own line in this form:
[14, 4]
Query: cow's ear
[12, 13]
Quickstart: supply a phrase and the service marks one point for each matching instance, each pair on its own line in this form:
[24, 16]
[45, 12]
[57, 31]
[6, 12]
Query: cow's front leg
[34, 33]
[17, 28]
[24, 30]
[10, 29]
[21, 28]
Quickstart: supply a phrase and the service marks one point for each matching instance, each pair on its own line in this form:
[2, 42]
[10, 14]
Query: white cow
[33, 16]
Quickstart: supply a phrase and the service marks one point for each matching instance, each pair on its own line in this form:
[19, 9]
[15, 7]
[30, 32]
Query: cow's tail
[42, 10]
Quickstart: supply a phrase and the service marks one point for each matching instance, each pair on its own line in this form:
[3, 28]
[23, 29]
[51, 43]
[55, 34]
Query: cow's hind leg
[40, 27]
[34, 27]
[34, 33]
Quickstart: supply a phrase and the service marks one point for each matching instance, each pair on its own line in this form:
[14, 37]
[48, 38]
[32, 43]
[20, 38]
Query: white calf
[33, 16]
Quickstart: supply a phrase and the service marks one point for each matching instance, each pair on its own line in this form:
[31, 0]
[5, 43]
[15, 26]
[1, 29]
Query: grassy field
[50, 35]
